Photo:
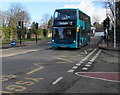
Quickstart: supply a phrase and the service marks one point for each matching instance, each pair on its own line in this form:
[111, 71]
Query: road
[41, 69]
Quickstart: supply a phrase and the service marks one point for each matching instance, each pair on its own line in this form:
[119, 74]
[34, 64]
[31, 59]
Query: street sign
[13, 43]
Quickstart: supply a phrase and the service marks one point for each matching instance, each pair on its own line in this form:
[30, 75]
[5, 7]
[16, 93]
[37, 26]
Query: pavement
[110, 49]
[110, 46]
[106, 49]
[27, 43]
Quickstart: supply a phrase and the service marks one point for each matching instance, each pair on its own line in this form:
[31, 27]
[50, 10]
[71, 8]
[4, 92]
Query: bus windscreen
[65, 15]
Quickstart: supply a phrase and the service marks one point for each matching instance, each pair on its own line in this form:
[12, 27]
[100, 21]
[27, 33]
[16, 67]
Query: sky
[37, 8]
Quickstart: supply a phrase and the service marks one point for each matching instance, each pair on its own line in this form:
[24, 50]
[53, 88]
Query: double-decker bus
[70, 28]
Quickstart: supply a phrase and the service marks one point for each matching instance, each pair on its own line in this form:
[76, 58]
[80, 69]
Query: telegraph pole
[114, 23]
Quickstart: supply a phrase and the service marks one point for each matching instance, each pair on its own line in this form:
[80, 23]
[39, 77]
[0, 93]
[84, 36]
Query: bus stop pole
[114, 23]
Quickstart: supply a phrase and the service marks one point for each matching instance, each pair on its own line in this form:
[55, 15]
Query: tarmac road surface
[41, 69]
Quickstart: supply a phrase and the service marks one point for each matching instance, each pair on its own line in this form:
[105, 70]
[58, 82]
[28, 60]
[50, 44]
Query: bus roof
[73, 9]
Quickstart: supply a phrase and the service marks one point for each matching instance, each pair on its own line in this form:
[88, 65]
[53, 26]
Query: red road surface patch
[106, 76]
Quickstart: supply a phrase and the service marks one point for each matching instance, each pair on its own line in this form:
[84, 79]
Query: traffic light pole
[20, 36]
[20, 32]
[36, 28]
[107, 36]
[36, 38]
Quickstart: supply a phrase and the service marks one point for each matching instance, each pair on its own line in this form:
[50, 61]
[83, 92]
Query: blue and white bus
[70, 28]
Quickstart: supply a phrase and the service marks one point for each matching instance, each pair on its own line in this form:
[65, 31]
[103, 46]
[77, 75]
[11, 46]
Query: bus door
[79, 37]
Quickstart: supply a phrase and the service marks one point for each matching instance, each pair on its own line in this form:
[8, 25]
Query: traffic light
[104, 23]
[20, 24]
[107, 22]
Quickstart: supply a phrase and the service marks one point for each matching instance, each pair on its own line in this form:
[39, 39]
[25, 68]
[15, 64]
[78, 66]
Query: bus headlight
[52, 40]
[74, 41]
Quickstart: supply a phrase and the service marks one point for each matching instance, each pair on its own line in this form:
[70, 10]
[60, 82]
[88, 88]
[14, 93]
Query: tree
[9, 33]
[45, 19]
[11, 17]
[99, 27]
[50, 24]
[5, 17]
[96, 19]
[109, 5]
[24, 31]
[17, 12]
[6, 33]
[40, 31]
[35, 29]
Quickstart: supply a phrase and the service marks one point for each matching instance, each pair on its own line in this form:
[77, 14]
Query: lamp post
[114, 23]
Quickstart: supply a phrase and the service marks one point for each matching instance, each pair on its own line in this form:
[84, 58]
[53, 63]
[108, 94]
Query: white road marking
[93, 59]
[97, 72]
[78, 64]
[74, 67]
[87, 65]
[84, 68]
[90, 54]
[85, 52]
[84, 59]
[55, 82]
[70, 70]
